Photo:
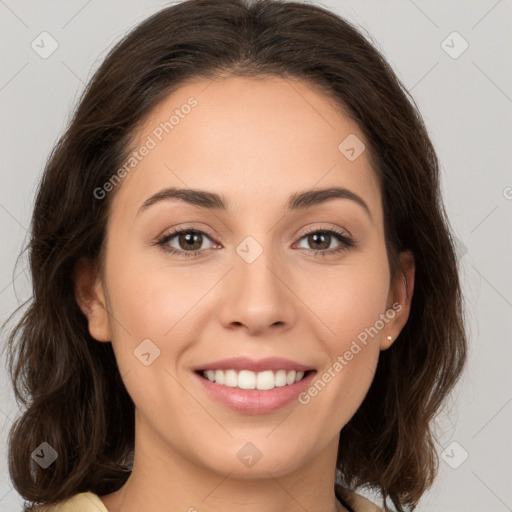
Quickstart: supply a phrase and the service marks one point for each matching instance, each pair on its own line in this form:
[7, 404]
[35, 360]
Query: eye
[189, 242]
[322, 238]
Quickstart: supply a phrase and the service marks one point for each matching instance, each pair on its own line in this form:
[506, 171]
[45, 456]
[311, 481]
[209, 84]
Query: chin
[256, 460]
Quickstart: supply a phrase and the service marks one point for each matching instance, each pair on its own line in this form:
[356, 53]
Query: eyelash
[346, 242]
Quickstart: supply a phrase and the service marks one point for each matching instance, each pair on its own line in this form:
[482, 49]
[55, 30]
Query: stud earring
[389, 338]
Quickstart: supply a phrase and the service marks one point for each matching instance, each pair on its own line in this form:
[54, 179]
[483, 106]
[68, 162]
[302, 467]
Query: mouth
[265, 380]
[254, 387]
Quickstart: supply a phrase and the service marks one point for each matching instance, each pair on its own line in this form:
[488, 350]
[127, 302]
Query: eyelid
[188, 227]
[326, 227]
[344, 238]
[311, 229]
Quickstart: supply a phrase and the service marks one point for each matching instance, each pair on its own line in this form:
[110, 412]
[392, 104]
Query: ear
[399, 300]
[90, 297]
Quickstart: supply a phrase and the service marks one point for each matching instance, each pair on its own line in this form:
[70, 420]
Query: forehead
[250, 139]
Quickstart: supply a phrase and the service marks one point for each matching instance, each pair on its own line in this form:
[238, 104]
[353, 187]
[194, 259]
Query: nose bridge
[256, 295]
[255, 266]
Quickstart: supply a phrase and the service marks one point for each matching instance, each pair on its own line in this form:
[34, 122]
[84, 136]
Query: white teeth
[280, 378]
[219, 376]
[265, 380]
[230, 379]
[246, 379]
[290, 377]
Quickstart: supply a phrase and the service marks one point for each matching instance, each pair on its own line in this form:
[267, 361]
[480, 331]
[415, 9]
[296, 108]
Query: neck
[164, 479]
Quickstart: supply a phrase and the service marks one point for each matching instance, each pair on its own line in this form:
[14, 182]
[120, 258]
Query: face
[270, 274]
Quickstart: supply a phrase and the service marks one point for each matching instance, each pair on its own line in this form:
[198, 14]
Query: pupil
[189, 237]
[316, 236]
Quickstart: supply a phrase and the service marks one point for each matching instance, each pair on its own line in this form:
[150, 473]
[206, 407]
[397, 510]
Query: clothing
[357, 503]
[90, 502]
[82, 502]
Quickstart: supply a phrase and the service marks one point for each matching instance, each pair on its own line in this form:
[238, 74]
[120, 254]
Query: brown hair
[69, 383]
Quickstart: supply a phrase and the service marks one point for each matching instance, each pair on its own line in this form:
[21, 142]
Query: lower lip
[255, 401]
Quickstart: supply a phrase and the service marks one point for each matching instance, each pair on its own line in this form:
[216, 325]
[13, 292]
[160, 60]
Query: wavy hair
[69, 384]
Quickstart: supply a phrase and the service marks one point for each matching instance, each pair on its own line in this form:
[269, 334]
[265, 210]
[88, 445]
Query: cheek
[347, 299]
[151, 314]
[350, 302]
[150, 299]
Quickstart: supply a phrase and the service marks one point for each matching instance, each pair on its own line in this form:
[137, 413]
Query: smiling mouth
[247, 379]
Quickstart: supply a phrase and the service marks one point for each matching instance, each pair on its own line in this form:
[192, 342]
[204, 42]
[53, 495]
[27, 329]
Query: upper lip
[259, 365]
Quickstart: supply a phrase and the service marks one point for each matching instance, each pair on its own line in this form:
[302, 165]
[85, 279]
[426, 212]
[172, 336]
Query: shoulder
[90, 502]
[357, 502]
[82, 502]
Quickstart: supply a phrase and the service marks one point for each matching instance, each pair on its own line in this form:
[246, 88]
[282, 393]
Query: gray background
[467, 105]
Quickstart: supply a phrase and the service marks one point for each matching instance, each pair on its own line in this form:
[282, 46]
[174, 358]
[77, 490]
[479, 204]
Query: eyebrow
[213, 201]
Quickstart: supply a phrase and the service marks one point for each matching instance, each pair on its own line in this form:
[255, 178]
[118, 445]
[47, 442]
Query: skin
[256, 142]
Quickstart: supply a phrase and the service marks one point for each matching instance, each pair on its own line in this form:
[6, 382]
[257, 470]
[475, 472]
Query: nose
[257, 294]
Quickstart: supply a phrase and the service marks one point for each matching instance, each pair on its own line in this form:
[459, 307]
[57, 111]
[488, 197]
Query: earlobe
[90, 298]
[400, 299]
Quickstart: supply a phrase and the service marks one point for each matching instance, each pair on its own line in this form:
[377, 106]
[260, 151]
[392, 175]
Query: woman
[246, 293]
